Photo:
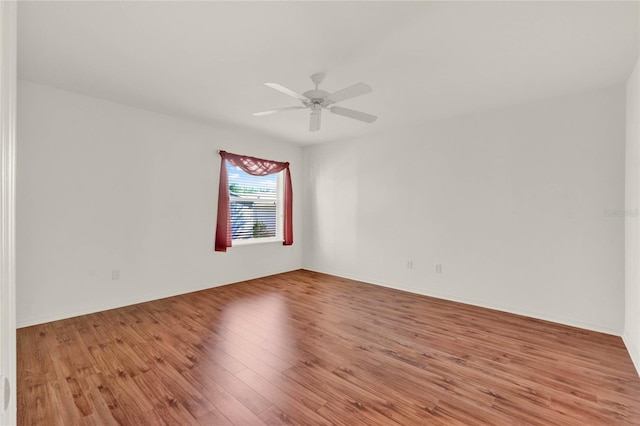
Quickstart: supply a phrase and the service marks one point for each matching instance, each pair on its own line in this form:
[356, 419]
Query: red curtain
[257, 167]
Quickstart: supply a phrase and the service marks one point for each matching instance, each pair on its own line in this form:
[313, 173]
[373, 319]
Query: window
[262, 205]
[255, 206]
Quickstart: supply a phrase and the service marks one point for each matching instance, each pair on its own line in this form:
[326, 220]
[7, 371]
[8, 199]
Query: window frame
[279, 202]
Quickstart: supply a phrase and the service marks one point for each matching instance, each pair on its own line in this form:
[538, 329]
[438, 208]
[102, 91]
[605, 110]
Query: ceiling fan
[317, 99]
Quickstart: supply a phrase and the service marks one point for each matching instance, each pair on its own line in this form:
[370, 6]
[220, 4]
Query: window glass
[254, 205]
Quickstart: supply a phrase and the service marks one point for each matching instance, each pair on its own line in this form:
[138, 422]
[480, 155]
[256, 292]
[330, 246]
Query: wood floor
[307, 348]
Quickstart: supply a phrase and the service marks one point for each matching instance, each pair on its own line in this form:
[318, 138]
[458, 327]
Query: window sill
[256, 241]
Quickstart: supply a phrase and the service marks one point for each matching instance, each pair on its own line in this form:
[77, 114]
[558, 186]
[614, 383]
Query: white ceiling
[424, 60]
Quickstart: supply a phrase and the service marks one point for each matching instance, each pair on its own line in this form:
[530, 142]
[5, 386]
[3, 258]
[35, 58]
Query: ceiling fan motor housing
[316, 97]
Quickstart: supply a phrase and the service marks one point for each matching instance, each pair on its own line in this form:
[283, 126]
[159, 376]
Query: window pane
[252, 220]
[253, 204]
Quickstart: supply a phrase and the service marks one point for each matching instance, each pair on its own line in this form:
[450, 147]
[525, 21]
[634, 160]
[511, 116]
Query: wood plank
[226, 403]
[251, 399]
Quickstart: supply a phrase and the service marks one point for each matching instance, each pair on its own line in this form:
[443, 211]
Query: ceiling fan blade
[349, 92]
[286, 91]
[273, 111]
[351, 113]
[314, 123]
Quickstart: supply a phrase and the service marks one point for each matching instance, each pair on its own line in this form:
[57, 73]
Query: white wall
[104, 186]
[632, 230]
[511, 202]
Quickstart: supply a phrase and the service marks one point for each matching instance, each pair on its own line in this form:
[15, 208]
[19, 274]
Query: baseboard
[633, 353]
[184, 290]
[482, 304]
[128, 302]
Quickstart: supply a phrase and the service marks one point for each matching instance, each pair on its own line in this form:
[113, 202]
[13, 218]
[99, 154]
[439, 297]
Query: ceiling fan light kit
[316, 100]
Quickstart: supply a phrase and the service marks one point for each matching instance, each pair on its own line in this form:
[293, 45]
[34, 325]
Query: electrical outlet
[409, 264]
[438, 268]
[115, 274]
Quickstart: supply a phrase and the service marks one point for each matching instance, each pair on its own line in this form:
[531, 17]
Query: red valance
[257, 167]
